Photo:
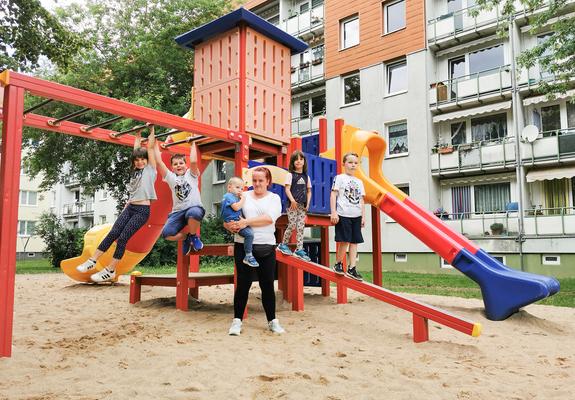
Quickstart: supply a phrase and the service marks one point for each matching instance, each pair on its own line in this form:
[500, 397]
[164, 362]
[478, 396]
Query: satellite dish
[529, 133]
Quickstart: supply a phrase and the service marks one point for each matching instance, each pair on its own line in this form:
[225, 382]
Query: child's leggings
[296, 219]
[130, 220]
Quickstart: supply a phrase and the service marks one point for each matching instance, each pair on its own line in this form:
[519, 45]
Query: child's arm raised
[152, 147]
[159, 162]
[138, 139]
[194, 168]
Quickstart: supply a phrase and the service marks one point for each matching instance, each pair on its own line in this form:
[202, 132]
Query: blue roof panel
[229, 21]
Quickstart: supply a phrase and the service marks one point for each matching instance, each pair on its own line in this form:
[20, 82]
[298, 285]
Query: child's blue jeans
[248, 234]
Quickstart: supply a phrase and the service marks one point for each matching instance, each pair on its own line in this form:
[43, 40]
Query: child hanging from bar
[187, 209]
[298, 191]
[135, 214]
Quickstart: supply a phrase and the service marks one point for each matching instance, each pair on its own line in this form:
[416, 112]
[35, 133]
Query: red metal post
[324, 259]
[341, 289]
[10, 191]
[297, 294]
[135, 289]
[420, 329]
[376, 245]
[182, 278]
[322, 135]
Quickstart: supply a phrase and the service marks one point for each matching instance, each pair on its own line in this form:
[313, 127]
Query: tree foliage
[28, 31]
[61, 242]
[130, 55]
[556, 54]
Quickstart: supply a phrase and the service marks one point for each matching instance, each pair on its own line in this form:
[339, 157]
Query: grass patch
[405, 282]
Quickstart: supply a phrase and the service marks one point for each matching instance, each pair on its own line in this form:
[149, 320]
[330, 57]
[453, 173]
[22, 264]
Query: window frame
[27, 203]
[385, 7]
[342, 23]
[395, 123]
[388, 68]
[215, 179]
[343, 78]
[26, 228]
[544, 260]
[400, 257]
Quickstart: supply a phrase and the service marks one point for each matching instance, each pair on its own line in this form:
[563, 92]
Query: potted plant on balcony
[497, 228]
[445, 148]
[304, 64]
[317, 61]
[292, 69]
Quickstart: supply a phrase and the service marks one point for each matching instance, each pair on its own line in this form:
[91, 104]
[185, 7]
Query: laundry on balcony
[505, 105]
[550, 174]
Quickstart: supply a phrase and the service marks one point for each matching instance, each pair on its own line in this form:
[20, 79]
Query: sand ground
[74, 341]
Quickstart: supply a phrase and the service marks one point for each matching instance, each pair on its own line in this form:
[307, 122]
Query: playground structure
[243, 86]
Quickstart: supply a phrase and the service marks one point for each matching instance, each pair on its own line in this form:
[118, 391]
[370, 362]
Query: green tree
[130, 55]
[28, 31]
[556, 54]
[61, 242]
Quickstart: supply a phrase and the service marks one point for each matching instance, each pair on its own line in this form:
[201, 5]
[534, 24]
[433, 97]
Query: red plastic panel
[218, 105]
[217, 61]
[268, 112]
[267, 61]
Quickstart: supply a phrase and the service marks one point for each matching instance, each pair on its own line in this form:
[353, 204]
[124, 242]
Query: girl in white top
[261, 210]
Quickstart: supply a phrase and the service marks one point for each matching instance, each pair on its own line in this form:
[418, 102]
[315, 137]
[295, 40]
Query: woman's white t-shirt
[269, 205]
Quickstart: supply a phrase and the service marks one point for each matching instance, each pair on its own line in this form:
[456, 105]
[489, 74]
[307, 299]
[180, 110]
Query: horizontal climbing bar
[102, 124]
[57, 121]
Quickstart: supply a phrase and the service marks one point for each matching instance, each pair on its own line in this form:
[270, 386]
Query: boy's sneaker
[196, 242]
[302, 254]
[236, 327]
[86, 266]
[352, 273]
[104, 275]
[275, 327]
[251, 261]
[284, 249]
[338, 268]
[186, 245]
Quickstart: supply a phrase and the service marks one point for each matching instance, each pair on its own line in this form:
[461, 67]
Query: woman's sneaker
[284, 249]
[352, 273]
[338, 268]
[302, 254]
[236, 327]
[104, 275]
[86, 266]
[251, 261]
[275, 327]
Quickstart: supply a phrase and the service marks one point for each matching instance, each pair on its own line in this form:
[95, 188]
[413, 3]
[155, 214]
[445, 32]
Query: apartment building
[436, 80]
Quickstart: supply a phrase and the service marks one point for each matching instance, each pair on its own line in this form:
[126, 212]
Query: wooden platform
[194, 280]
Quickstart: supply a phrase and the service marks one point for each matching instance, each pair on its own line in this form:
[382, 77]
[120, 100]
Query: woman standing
[261, 210]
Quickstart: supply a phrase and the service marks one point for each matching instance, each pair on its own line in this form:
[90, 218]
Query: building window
[394, 16]
[491, 127]
[349, 29]
[492, 198]
[400, 257]
[550, 120]
[318, 105]
[445, 264]
[543, 72]
[26, 228]
[501, 259]
[404, 187]
[102, 219]
[396, 77]
[556, 195]
[304, 108]
[219, 171]
[458, 130]
[217, 208]
[550, 259]
[351, 89]
[487, 59]
[28, 198]
[570, 115]
[317, 53]
[397, 138]
[461, 202]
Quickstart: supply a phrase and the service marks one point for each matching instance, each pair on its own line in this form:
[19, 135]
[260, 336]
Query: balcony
[463, 25]
[492, 156]
[470, 90]
[550, 147]
[306, 125]
[71, 181]
[537, 222]
[306, 24]
[307, 75]
[78, 209]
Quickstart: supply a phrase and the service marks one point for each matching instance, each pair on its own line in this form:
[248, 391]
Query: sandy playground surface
[74, 341]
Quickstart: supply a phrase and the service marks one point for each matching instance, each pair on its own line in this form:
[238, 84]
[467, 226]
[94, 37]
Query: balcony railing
[70, 181]
[307, 124]
[537, 222]
[301, 23]
[483, 155]
[80, 208]
[550, 146]
[476, 86]
[307, 74]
